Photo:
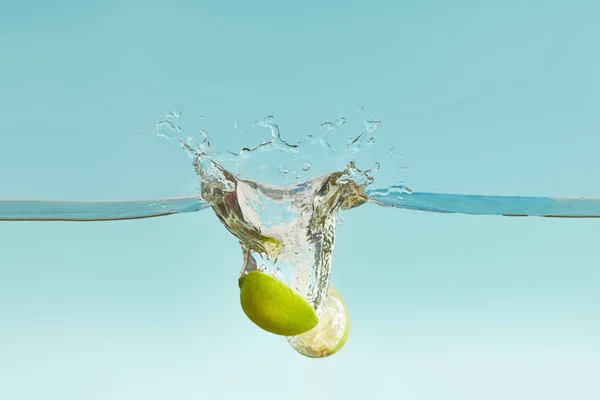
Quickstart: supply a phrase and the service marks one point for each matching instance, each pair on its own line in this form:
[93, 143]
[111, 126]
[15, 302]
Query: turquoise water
[39, 210]
[482, 98]
[396, 197]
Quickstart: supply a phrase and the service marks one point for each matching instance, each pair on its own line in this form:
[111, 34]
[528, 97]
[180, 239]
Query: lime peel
[273, 306]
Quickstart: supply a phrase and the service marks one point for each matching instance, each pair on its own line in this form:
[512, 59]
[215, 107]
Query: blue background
[500, 98]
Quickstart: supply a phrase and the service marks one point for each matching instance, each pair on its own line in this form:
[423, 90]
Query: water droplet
[326, 127]
[372, 126]
[361, 109]
[266, 122]
[166, 129]
[359, 137]
[305, 167]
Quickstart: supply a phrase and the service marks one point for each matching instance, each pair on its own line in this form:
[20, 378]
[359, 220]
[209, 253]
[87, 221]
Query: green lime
[273, 306]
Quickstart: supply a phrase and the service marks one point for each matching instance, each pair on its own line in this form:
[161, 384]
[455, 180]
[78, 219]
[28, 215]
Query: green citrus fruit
[273, 306]
[330, 334]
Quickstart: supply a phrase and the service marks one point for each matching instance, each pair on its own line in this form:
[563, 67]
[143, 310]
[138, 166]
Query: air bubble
[305, 167]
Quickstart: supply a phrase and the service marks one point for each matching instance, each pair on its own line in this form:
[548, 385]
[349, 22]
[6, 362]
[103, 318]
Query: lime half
[273, 306]
[330, 334]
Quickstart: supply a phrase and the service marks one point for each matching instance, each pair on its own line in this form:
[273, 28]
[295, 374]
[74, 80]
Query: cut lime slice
[330, 334]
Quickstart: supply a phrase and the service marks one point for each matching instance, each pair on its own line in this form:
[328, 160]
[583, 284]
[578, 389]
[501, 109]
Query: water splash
[261, 152]
[286, 232]
[170, 125]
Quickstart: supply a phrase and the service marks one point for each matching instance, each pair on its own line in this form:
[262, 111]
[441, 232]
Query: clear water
[481, 98]
[260, 153]
[394, 197]
[269, 194]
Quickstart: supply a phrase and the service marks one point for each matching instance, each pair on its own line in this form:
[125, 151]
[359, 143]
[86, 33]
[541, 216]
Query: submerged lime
[330, 334]
[273, 306]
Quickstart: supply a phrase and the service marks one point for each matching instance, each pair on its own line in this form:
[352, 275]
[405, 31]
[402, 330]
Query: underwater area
[388, 151]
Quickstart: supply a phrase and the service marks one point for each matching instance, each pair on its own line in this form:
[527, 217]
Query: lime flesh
[330, 334]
